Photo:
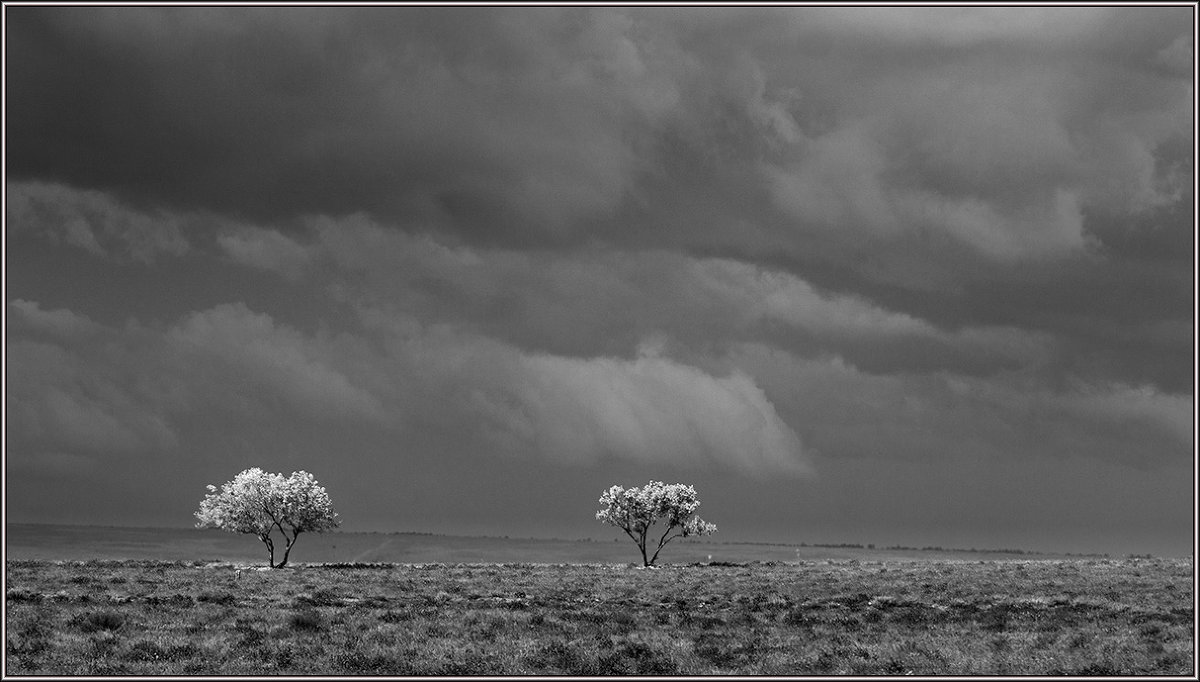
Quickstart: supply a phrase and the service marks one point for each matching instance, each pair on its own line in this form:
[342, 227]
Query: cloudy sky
[893, 275]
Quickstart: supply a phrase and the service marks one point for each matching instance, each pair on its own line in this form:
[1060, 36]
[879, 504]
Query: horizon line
[798, 545]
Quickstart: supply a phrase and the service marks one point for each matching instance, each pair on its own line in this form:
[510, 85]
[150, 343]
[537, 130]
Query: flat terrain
[78, 543]
[1050, 617]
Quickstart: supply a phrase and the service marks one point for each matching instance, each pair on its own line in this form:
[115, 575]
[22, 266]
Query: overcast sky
[891, 275]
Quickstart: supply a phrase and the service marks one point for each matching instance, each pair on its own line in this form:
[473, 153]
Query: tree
[636, 510]
[259, 502]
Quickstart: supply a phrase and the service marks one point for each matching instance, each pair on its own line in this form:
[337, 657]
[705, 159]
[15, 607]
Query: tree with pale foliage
[258, 502]
[637, 510]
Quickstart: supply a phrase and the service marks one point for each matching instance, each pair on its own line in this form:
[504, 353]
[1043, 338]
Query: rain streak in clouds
[807, 252]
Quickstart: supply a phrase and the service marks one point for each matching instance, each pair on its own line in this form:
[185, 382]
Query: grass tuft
[98, 621]
[307, 620]
[222, 597]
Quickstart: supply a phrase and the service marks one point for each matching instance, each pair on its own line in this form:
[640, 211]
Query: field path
[378, 550]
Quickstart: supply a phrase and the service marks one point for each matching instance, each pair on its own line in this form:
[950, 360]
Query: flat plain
[802, 617]
[73, 543]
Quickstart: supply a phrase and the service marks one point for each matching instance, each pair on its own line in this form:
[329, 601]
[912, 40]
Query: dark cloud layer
[937, 171]
[804, 248]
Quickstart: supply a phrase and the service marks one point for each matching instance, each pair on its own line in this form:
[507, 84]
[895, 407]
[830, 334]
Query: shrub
[30, 640]
[800, 617]
[391, 616]
[145, 650]
[320, 597]
[223, 598]
[353, 663]
[647, 661]
[96, 621]
[307, 620]
[180, 600]
[473, 663]
[18, 595]
[1099, 668]
[555, 654]
[181, 652]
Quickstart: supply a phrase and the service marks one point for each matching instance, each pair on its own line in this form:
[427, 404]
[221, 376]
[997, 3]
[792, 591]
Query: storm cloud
[773, 247]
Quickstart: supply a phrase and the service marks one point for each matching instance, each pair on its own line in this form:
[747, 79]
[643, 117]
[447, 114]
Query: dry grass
[1082, 617]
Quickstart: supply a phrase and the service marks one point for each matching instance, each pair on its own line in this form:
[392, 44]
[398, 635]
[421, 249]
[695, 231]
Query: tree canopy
[637, 510]
[258, 502]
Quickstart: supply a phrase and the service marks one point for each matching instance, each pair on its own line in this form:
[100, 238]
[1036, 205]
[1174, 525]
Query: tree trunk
[288, 549]
[270, 549]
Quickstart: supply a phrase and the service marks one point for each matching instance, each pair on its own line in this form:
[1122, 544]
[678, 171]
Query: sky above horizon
[914, 275]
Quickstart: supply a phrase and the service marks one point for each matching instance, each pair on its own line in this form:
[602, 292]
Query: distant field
[79, 543]
[1078, 617]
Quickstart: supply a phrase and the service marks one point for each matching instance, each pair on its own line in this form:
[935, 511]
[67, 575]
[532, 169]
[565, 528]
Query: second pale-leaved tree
[638, 511]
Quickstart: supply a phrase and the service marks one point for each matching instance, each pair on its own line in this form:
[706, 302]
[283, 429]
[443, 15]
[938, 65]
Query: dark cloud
[552, 116]
[125, 394]
[845, 412]
[69, 401]
[607, 303]
[404, 112]
[812, 248]
[94, 222]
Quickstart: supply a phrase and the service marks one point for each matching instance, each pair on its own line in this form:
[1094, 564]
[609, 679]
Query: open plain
[806, 617]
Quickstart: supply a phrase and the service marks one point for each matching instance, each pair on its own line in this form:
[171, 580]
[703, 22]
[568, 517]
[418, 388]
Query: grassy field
[1085, 617]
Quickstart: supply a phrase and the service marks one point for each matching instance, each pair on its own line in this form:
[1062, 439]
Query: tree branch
[662, 541]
